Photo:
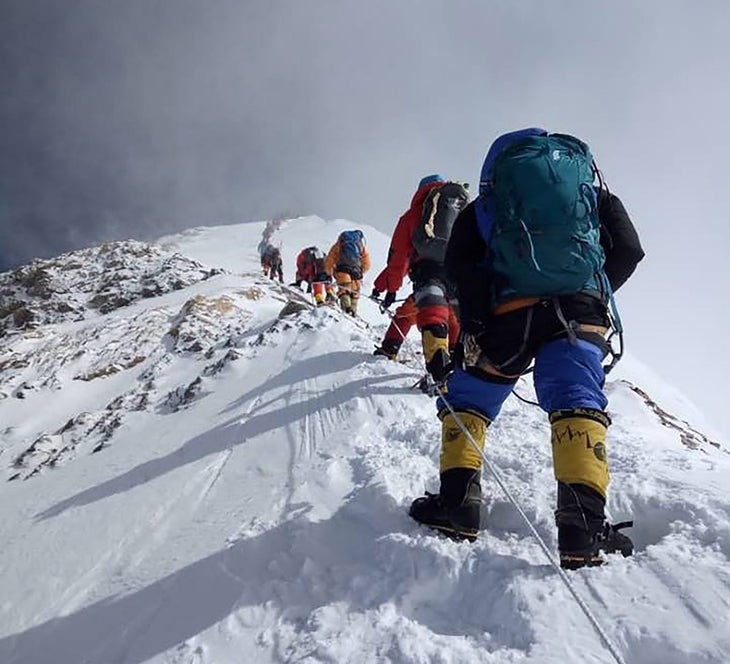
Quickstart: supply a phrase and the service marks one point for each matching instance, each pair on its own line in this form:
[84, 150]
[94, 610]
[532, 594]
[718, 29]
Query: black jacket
[619, 239]
[467, 249]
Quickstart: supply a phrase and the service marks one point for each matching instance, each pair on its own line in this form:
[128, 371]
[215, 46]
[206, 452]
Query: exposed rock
[100, 279]
[688, 436]
[293, 307]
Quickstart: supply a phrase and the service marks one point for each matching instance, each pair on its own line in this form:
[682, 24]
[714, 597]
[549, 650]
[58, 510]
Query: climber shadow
[227, 435]
[359, 558]
[308, 369]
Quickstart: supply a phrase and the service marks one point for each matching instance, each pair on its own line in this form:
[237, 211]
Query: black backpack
[315, 257]
[440, 209]
[274, 256]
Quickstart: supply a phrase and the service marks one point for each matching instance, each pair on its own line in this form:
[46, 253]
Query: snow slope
[197, 479]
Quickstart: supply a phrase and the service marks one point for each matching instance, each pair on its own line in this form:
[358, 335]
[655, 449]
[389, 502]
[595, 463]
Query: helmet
[430, 179]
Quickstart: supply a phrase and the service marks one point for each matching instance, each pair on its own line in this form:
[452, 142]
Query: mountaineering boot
[346, 303]
[455, 510]
[317, 290]
[578, 440]
[436, 352]
[439, 366]
[581, 468]
[389, 348]
[583, 531]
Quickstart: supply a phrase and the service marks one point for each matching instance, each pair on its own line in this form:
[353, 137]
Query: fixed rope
[383, 310]
[496, 474]
[414, 355]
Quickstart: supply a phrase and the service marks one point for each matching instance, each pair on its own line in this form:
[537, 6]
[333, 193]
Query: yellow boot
[455, 511]
[436, 353]
[581, 468]
[345, 302]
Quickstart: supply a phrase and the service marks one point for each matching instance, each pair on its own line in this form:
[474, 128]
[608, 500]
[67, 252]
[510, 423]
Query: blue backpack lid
[355, 236]
[500, 144]
[430, 179]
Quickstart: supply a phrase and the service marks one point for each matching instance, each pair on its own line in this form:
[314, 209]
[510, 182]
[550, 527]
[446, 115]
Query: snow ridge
[221, 473]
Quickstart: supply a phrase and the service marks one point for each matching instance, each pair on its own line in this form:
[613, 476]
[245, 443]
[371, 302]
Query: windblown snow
[201, 468]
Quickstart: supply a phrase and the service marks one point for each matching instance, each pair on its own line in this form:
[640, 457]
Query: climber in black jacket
[466, 250]
[505, 327]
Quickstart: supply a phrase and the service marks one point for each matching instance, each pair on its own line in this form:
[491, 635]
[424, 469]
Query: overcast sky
[134, 118]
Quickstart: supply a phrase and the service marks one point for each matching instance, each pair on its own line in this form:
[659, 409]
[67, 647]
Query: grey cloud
[136, 118]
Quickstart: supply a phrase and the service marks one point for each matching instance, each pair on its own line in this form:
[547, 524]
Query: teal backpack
[541, 206]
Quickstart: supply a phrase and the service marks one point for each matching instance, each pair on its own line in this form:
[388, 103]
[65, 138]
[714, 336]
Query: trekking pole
[496, 473]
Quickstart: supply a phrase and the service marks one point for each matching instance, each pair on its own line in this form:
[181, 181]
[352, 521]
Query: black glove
[388, 299]
[309, 287]
[375, 294]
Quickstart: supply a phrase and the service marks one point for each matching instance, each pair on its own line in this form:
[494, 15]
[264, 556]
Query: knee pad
[579, 447]
[456, 448]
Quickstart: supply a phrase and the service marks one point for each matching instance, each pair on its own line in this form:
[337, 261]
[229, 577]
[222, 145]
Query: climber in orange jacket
[348, 259]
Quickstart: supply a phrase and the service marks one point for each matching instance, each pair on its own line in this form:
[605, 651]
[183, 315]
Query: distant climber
[271, 262]
[348, 260]
[311, 270]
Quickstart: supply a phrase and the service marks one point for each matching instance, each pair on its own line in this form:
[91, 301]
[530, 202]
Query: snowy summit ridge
[201, 468]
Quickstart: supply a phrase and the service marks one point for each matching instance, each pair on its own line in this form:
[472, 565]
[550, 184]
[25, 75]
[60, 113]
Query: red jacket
[305, 267]
[400, 253]
[381, 281]
[310, 265]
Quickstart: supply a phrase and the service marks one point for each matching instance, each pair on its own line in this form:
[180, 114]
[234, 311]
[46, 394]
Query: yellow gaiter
[579, 447]
[456, 450]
